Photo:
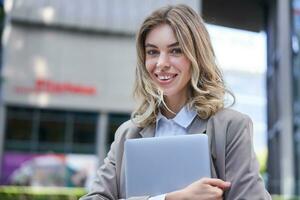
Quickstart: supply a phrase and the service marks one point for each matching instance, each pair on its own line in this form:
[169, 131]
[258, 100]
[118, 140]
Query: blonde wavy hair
[207, 88]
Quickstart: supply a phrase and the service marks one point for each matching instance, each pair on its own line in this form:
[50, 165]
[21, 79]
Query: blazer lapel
[197, 126]
[148, 131]
[204, 126]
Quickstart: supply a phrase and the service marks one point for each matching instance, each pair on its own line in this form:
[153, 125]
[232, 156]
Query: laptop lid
[159, 165]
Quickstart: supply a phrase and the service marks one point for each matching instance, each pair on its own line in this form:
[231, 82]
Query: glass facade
[35, 136]
[296, 88]
[114, 121]
[36, 130]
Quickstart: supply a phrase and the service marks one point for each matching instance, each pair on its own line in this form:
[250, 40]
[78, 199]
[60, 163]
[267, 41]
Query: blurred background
[67, 71]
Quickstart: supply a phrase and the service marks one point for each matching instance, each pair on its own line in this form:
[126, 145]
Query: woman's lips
[165, 78]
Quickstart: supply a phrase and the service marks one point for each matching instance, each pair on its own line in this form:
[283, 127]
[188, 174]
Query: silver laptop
[159, 165]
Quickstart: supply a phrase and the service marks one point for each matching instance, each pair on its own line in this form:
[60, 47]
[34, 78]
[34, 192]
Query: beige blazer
[232, 157]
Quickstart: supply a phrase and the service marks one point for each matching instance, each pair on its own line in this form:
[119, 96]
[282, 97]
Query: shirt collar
[183, 118]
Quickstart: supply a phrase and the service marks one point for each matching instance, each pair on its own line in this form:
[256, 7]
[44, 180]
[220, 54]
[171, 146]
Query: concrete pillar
[285, 97]
[101, 136]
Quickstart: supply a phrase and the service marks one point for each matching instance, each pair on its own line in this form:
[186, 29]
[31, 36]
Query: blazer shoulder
[231, 121]
[231, 116]
[126, 129]
[127, 125]
[238, 126]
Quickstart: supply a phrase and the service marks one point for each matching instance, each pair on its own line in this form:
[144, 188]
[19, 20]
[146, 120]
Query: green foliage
[278, 197]
[40, 193]
[262, 159]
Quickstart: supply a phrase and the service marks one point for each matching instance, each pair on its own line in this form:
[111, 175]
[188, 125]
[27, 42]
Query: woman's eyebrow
[174, 44]
[154, 46]
[150, 45]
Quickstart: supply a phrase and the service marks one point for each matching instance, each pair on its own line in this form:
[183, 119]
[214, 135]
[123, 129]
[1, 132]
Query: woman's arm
[241, 165]
[105, 184]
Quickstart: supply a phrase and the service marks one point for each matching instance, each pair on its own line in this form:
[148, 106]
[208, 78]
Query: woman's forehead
[161, 35]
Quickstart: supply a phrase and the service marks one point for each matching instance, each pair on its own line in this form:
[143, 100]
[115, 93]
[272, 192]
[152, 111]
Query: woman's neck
[174, 106]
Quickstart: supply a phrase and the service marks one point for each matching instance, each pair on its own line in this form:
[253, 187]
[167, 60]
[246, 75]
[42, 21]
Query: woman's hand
[203, 189]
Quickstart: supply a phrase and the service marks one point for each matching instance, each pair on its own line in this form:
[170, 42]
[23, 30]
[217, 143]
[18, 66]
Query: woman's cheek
[150, 66]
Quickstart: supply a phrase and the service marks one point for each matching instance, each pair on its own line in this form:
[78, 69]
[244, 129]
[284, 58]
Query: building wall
[105, 15]
[40, 64]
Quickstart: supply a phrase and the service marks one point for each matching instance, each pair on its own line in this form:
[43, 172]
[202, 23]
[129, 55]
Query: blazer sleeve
[241, 165]
[105, 185]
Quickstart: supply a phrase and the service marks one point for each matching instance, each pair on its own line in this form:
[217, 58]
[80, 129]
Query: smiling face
[166, 63]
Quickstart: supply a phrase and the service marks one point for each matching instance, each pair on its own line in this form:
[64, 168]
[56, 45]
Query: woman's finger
[216, 182]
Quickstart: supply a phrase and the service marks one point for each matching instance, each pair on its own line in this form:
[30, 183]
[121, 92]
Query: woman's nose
[163, 61]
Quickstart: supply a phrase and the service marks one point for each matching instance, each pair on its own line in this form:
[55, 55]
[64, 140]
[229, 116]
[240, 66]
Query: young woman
[181, 91]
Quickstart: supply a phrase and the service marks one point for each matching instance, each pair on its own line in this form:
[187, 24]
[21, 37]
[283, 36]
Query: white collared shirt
[171, 127]
[176, 126]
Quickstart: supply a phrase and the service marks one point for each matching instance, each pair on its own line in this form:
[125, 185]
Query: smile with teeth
[165, 77]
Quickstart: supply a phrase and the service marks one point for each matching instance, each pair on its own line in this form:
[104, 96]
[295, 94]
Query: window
[19, 125]
[52, 131]
[114, 121]
[84, 132]
[35, 130]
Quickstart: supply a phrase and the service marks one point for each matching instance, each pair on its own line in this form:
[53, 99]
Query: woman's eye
[152, 52]
[176, 51]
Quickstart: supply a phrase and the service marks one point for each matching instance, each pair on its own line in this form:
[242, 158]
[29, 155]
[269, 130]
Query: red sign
[53, 87]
